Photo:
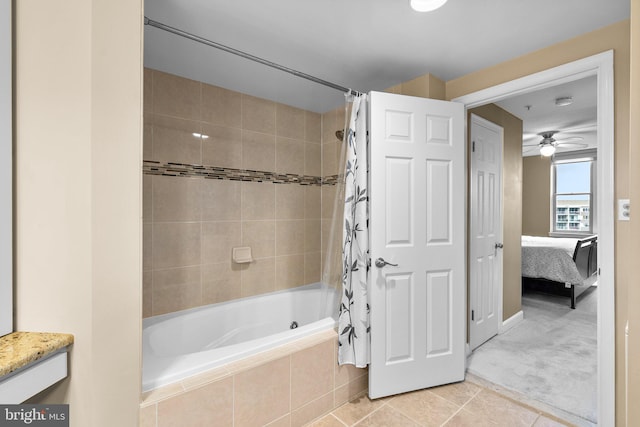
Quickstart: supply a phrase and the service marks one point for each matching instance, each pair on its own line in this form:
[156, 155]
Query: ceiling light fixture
[426, 5]
[547, 150]
[564, 101]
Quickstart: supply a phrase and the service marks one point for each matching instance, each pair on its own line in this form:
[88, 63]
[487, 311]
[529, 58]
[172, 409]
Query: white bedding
[550, 258]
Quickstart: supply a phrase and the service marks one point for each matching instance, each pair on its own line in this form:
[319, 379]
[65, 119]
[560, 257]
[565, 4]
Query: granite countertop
[20, 349]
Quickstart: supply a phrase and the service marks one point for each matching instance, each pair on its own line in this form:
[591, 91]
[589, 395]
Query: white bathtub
[178, 345]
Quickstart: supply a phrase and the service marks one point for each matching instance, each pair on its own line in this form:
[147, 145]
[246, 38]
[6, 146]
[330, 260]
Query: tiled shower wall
[192, 223]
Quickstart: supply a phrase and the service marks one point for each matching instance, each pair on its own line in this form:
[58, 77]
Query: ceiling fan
[548, 144]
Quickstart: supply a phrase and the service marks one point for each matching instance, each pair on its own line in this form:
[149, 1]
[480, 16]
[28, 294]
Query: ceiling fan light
[564, 101]
[426, 5]
[547, 150]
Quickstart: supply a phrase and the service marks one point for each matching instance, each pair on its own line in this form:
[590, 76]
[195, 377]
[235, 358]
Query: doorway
[601, 66]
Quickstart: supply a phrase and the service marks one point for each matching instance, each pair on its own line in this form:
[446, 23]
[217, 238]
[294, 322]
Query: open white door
[485, 241]
[417, 221]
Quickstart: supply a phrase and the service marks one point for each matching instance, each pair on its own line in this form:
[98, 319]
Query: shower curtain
[354, 338]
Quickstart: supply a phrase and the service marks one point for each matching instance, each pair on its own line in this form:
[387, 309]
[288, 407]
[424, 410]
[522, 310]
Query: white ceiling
[361, 44]
[577, 120]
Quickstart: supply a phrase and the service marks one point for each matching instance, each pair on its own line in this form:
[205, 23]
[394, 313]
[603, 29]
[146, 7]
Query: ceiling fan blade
[571, 145]
[570, 139]
[535, 144]
[579, 129]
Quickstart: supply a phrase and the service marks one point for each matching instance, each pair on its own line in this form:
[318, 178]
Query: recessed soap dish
[242, 255]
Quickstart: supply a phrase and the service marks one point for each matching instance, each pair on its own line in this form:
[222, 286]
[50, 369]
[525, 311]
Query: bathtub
[178, 345]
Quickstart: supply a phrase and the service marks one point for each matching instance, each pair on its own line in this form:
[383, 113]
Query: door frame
[481, 121]
[600, 65]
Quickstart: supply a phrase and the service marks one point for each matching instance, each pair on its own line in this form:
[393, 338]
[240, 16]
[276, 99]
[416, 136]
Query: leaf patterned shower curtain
[354, 339]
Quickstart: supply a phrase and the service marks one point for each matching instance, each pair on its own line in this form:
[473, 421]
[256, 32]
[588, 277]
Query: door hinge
[598, 271]
[472, 315]
[473, 147]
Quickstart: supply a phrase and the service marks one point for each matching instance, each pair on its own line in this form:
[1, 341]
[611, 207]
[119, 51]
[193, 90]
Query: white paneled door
[485, 241]
[417, 228]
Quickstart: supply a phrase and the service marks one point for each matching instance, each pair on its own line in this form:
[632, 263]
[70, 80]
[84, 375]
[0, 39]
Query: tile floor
[461, 404]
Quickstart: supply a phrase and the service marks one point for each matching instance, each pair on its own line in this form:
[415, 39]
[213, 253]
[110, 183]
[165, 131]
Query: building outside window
[573, 195]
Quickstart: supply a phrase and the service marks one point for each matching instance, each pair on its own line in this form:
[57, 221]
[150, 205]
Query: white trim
[6, 163]
[600, 65]
[511, 322]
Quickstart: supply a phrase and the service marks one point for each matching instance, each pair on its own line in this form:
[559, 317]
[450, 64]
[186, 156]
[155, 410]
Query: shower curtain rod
[246, 55]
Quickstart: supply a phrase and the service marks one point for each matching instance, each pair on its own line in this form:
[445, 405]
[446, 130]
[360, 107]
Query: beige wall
[191, 224]
[77, 196]
[536, 196]
[614, 37]
[634, 247]
[512, 204]
[425, 86]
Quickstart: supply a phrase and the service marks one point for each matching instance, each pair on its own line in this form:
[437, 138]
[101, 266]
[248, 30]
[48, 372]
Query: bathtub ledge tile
[161, 393]
[205, 378]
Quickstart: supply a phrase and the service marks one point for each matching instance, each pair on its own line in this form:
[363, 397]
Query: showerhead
[340, 134]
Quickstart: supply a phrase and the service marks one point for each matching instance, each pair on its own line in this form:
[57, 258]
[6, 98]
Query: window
[573, 196]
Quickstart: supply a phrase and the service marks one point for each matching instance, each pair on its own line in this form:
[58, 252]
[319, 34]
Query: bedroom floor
[462, 404]
[550, 357]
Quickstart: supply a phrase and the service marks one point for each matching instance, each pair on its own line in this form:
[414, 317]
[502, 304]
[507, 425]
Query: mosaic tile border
[151, 167]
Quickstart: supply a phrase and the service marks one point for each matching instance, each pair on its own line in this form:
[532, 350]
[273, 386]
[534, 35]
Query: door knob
[499, 246]
[380, 262]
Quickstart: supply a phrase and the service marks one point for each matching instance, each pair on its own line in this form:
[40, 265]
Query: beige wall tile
[289, 237]
[312, 410]
[289, 271]
[312, 202]
[312, 373]
[221, 106]
[312, 235]
[176, 289]
[312, 159]
[330, 158]
[260, 236]
[328, 200]
[147, 246]
[290, 201]
[347, 373]
[147, 198]
[161, 393]
[176, 244]
[220, 282]
[147, 294]
[206, 377]
[259, 277]
[312, 127]
[258, 115]
[221, 200]
[262, 394]
[330, 125]
[147, 138]
[173, 140]
[258, 201]
[148, 416]
[176, 96]
[258, 151]
[176, 198]
[218, 239]
[290, 121]
[312, 267]
[147, 105]
[351, 390]
[290, 156]
[223, 148]
[210, 405]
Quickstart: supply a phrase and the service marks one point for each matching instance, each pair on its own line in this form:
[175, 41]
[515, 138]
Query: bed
[563, 266]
